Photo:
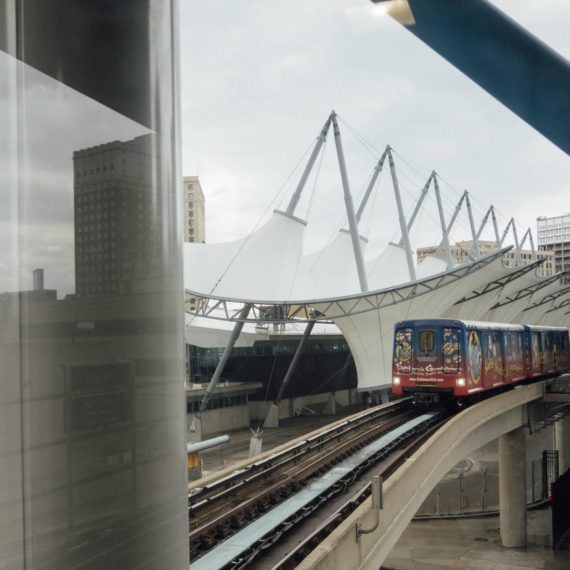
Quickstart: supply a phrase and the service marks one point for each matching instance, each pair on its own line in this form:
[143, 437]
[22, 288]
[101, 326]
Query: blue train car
[435, 359]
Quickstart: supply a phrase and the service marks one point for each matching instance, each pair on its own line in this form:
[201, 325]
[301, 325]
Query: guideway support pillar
[512, 489]
[562, 436]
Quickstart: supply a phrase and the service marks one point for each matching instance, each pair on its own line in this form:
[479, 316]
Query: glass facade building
[92, 402]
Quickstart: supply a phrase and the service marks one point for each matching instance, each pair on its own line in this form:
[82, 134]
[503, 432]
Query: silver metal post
[222, 363]
[402, 217]
[377, 505]
[352, 221]
[442, 222]
[299, 190]
[484, 221]
[375, 174]
[495, 225]
[451, 221]
[294, 361]
[417, 207]
[531, 239]
[505, 232]
[518, 257]
[476, 248]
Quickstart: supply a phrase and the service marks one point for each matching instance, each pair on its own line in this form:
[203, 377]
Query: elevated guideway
[408, 487]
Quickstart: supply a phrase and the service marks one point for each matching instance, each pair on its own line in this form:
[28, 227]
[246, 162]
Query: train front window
[426, 341]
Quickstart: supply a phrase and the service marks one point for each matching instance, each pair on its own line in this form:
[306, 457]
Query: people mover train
[438, 360]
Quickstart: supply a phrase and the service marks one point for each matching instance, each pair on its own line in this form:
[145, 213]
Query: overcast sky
[260, 77]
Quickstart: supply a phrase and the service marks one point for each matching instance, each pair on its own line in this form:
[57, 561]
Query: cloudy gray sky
[259, 78]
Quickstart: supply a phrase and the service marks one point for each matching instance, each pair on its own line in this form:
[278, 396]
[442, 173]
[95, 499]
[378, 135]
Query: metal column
[272, 417]
[476, 248]
[299, 190]
[442, 221]
[495, 226]
[352, 221]
[402, 218]
[452, 221]
[373, 180]
[222, 363]
[417, 207]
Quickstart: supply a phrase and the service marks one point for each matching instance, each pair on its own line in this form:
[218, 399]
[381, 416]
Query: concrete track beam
[408, 487]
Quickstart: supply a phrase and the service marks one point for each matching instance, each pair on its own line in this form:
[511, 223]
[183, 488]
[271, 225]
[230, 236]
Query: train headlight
[461, 381]
[396, 380]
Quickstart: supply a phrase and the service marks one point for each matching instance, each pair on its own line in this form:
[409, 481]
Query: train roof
[475, 325]
[460, 322]
[540, 328]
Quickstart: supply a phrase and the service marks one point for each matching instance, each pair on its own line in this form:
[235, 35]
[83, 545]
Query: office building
[116, 247]
[461, 250]
[194, 211]
[554, 237]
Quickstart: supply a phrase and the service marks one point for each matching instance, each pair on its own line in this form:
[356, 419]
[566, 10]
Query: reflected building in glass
[117, 245]
[92, 402]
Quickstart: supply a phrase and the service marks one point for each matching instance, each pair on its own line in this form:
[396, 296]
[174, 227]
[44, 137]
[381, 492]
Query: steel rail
[205, 535]
[267, 530]
[202, 497]
[304, 547]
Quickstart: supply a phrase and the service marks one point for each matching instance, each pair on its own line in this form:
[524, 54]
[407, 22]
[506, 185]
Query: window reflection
[92, 405]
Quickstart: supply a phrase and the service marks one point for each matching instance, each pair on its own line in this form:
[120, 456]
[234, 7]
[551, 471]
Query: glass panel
[92, 446]
[427, 339]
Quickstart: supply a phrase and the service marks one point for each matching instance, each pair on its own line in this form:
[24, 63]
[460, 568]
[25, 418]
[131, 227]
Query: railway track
[239, 516]
[295, 553]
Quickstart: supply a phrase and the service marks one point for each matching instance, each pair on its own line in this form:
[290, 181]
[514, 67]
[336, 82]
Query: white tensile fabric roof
[270, 267]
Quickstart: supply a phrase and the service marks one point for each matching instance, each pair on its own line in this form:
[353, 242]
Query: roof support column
[272, 417]
[452, 221]
[299, 190]
[483, 222]
[518, 258]
[352, 221]
[512, 488]
[445, 239]
[417, 207]
[532, 248]
[495, 227]
[226, 354]
[402, 217]
[528, 234]
[476, 248]
[373, 180]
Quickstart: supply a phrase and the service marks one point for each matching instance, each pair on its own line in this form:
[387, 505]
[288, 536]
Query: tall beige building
[194, 220]
[194, 210]
[460, 249]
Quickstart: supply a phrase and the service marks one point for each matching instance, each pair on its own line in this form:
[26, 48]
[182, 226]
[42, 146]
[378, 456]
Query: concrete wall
[292, 406]
[221, 420]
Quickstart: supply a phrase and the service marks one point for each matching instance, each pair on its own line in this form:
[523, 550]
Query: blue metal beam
[512, 65]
